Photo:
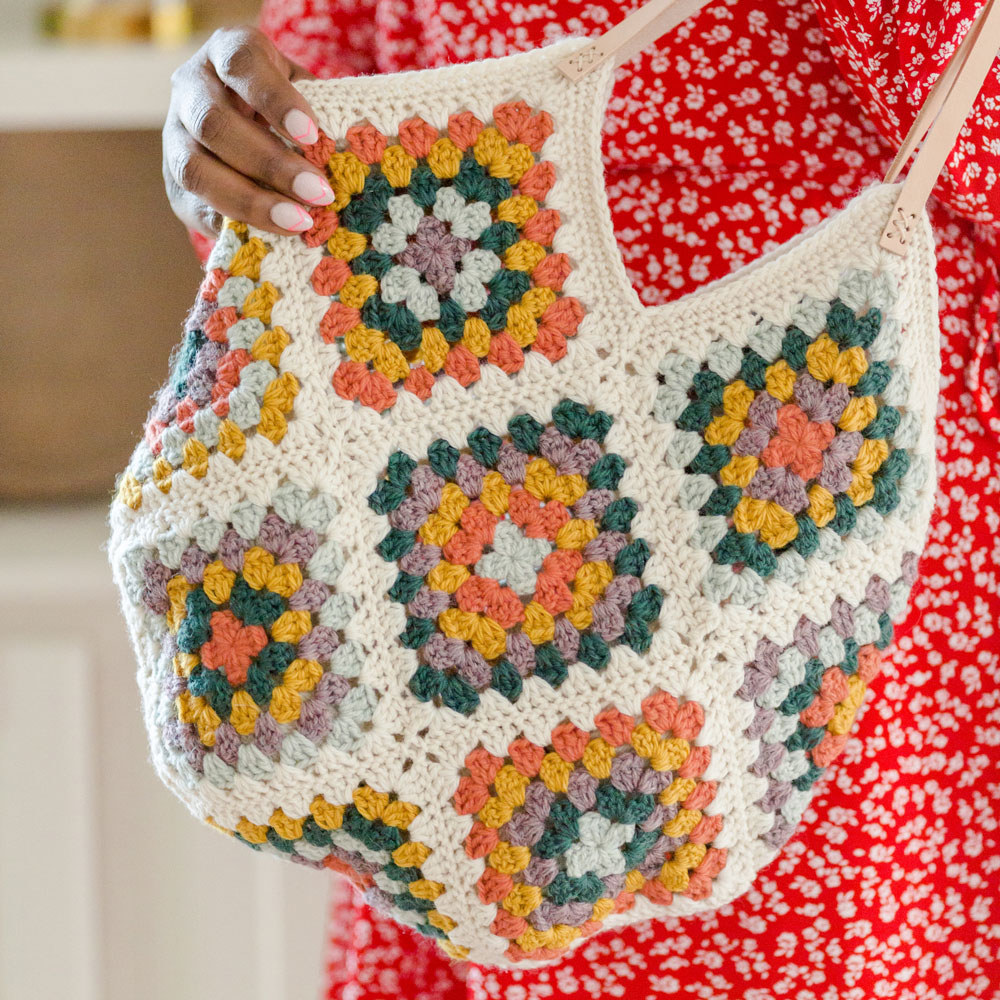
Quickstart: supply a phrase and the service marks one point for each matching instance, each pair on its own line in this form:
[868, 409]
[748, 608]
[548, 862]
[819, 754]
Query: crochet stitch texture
[514, 563]
[452, 568]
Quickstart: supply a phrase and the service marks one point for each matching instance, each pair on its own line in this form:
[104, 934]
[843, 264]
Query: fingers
[220, 155]
[211, 118]
[248, 64]
[202, 186]
[191, 210]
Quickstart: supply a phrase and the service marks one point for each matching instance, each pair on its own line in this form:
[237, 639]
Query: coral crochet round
[746, 125]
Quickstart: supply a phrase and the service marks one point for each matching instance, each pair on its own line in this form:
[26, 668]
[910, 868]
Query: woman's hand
[219, 155]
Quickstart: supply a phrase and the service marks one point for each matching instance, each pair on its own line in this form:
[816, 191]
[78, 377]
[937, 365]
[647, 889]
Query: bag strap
[641, 28]
[940, 119]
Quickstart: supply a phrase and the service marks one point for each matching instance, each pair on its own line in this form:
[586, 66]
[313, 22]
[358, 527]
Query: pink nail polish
[301, 128]
[312, 189]
[294, 218]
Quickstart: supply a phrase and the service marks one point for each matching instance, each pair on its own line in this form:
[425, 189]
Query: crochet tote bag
[451, 567]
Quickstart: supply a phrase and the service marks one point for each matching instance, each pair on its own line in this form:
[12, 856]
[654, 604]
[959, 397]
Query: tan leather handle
[932, 105]
[940, 119]
[943, 114]
[641, 28]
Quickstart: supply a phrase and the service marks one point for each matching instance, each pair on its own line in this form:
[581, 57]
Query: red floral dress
[749, 123]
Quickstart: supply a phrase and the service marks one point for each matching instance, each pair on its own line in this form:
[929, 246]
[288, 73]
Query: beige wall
[97, 276]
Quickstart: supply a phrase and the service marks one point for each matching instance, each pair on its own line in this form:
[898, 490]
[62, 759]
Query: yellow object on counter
[171, 22]
[98, 20]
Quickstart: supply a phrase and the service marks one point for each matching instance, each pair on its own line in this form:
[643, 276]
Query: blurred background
[109, 889]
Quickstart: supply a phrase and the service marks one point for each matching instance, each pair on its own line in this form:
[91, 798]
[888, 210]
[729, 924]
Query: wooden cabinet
[97, 277]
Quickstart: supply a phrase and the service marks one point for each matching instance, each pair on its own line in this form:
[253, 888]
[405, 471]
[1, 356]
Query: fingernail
[301, 128]
[312, 188]
[294, 218]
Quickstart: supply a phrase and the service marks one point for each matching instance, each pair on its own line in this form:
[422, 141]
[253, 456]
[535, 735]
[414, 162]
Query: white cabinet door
[109, 888]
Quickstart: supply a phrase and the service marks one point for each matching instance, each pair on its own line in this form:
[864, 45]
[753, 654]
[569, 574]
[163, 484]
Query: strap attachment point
[579, 64]
[940, 119]
[896, 235]
[640, 28]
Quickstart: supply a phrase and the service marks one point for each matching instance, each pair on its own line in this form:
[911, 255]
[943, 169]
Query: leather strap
[941, 119]
[932, 105]
[640, 29]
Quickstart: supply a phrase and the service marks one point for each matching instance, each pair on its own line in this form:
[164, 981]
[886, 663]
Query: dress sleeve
[891, 53]
[328, 37]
